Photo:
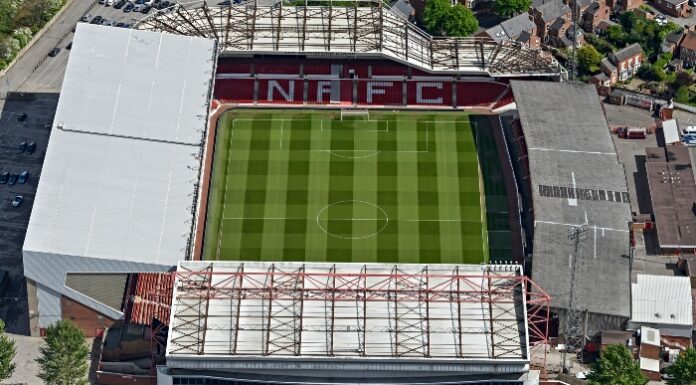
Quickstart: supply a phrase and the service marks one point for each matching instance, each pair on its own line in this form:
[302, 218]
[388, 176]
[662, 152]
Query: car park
[23, 177]
[21, 117]
[31, 147]
[54, 52]
[17, 201]
[4, 177]
[13, 179]
[22, 147]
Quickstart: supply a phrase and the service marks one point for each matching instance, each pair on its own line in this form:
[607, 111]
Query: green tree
[588, 59]
[683, 371]
[441, 18]
[682, 95]
[7, 354]
[683, 78]
[616, 367]
[507, 8]
[8, 12]
[435, 14]
[63, 359]
[22, 35]
[460, 22]
[9, 47]
[616, 35]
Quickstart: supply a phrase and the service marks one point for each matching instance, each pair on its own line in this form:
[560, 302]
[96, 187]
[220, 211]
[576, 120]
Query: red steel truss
[510, 298]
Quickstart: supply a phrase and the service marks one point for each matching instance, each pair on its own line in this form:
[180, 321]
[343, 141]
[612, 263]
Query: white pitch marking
[573, 151]
[573, 201]
[281, 134]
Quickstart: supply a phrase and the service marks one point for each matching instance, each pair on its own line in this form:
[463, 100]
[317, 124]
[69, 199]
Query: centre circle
[352, 219]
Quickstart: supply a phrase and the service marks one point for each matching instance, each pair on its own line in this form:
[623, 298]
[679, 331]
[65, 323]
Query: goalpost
[359, 113]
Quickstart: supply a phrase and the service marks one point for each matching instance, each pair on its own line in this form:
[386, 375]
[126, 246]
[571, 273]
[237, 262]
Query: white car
[582, 375]
[108, 3]
[138, 7]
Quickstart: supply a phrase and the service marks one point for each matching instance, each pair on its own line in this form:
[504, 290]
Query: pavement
[27, 352]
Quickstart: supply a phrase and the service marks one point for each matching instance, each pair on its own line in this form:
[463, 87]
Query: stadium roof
[659, 299]
[368, 31]
[576, 179]
[120, 166]
[227, 312]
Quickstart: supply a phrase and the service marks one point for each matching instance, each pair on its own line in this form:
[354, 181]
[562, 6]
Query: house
[404, 9]
[602, 82]
[687, 49]
[663, 303]
[609, 70]
[520, 28]
[603, 25]
[649, 353]
[593, 15]
[671, 42]
[627, 60]
[624, 5]
[674, 8]
[547, 14]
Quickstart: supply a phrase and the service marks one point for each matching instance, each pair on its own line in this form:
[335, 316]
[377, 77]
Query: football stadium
[324, 195]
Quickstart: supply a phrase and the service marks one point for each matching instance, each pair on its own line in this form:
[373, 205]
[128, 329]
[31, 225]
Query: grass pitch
[307, 186]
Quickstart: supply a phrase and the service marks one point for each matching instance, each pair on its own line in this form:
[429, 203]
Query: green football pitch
[308, 186]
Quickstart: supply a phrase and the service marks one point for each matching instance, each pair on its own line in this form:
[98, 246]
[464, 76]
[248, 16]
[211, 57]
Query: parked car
[4, 285]
[86, 18]
[69, 46]
[127, 25]
[128, 7]
[96, 20]
[631, 132]
[13, 179]
[120, 25]
[689, 141]
[22, 147]
[54, 52]
[119, 4]
[17, 201]
[109, 3]
[139, 8]
[146, 9]
[21, 117]
[4, 177]
[31, 147]
[225, 3]
[23, 177]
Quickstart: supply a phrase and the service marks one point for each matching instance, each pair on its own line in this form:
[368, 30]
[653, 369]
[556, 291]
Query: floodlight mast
[574, 332]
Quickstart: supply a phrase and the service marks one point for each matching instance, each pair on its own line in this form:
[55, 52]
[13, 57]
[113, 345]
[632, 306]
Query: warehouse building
[117, 191]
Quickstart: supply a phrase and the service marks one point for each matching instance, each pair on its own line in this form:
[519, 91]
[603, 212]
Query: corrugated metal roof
[670, 131]
[658, 299]
[295, 310]
[576, 179]
[120, 167]
[105, 288]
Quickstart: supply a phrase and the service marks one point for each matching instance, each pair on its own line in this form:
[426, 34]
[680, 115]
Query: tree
[441, 18]
[682, 95]
[683, 78]
[9, 47]
[7, 354]
[435, 14]
[683, 371]
[507, 8]
[63, 359]
[616, 367]
[22, 35]
[8, 11]
[589, 59]
[460, 22]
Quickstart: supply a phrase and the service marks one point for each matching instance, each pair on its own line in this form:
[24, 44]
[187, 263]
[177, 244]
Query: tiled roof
[553, 10]
[627, 52]
[689, 41]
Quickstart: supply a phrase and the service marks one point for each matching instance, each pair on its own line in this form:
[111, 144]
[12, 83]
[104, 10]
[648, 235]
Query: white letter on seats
[371, 90]
[419, 93]
[289, 96]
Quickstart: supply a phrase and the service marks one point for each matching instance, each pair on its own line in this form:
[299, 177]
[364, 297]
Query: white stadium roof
[290, 315]
[120, 170]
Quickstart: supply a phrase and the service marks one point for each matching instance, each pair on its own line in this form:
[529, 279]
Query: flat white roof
[670, 131]
[120, 167]
[295, 311]
[659, 299]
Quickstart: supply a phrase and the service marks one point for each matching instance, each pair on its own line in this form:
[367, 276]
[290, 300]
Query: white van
[690, 130]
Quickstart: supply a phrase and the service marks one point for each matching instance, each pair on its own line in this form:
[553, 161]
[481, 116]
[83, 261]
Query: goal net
[352, 113]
